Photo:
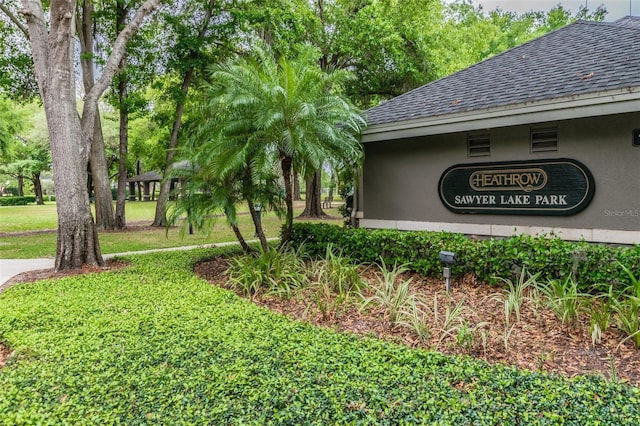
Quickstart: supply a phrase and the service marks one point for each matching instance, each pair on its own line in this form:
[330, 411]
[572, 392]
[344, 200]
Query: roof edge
[575, 106]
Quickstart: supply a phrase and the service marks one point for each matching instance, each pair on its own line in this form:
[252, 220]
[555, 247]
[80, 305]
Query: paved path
[12, 267]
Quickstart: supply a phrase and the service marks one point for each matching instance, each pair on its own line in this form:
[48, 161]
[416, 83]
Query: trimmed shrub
[17, 201]
[591, 265]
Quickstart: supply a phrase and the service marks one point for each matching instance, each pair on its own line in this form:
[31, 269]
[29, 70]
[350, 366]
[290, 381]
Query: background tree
[201, 30]
[11, 124]
[27, 153]
[141, 63]
[100, 182]
[16, 64]
[28, 161]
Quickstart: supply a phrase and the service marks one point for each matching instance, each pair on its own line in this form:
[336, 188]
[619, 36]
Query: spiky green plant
[562, 297]
[415, 317]
[452, 318]
[338, 272]
[278, 272]
[337, 279]
[515, 294]
[391, 292]
[600, 310]
[627, 308]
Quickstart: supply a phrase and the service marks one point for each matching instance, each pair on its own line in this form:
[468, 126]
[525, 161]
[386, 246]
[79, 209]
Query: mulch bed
[538, 342]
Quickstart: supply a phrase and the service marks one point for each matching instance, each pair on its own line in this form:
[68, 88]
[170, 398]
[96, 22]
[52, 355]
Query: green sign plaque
[540, 187]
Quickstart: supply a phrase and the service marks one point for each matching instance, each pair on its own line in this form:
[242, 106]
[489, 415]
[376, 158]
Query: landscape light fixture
[448, 258]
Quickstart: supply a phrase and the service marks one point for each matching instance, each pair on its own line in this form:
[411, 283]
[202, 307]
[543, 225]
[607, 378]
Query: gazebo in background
[149, 178]
[145, 180]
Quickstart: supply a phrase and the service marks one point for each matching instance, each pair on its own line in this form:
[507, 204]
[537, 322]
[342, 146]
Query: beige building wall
[400, 180]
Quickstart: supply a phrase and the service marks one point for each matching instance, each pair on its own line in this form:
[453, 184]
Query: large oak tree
[53, 49]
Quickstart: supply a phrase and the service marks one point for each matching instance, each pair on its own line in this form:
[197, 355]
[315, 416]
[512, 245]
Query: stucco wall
[400, 177]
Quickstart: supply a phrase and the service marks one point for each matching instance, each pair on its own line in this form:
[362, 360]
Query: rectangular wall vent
[544, 140]
[478, 145]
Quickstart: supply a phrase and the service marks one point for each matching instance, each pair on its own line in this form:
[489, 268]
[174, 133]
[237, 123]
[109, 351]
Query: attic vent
[544, 140]
[478, 145]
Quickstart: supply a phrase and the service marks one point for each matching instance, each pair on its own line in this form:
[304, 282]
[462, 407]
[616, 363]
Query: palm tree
[204, 193]
[256, 109]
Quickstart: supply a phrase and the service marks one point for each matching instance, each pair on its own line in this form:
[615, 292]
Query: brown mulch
[42, 274]
[4, 354]
[538, 342]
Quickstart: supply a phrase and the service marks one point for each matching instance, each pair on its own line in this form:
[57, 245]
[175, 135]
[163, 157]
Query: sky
[616, 8]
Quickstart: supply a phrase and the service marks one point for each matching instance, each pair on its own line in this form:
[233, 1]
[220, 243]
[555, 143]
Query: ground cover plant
[152, 343]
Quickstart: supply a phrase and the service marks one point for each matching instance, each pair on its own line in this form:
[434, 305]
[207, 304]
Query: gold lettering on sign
[526, 180]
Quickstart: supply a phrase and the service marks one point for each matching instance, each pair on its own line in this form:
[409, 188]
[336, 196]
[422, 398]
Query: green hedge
[153, 344]
[552, 257]
[17, 201]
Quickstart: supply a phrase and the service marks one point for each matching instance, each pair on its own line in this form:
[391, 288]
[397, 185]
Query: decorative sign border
[539, 187]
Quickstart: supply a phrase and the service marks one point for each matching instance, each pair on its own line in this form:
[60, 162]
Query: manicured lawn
[32, 217]
[28, 218]
[152, 344]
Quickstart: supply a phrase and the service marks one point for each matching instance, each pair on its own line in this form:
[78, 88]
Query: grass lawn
[152, 344]
[32, 218]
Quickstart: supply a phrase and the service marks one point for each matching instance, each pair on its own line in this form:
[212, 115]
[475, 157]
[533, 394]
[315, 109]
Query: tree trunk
[313, 201]
[20, 179]
[101, 183]
[37, 187]
[332, 183]
[160, 218]
[77, 238]
[98, 160]
[123, 146]
[120, 220]
[285, 165]
[296, 187]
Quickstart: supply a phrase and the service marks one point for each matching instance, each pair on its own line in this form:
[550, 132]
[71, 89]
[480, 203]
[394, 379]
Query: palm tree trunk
[241, 240]
[258, 224]
[285, 165]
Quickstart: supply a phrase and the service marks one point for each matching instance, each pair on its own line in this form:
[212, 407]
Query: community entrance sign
[541, 187]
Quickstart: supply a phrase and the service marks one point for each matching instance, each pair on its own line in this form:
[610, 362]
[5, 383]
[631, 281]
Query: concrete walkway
[12, 267]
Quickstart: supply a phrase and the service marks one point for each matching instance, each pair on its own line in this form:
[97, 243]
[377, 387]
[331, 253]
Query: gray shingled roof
[581, 58]
[146, 177]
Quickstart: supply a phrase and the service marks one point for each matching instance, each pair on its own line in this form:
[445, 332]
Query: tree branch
[14, 19]
[38, 36]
